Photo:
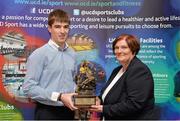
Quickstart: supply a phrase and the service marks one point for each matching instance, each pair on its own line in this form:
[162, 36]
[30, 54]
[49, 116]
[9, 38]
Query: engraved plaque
[84, 100]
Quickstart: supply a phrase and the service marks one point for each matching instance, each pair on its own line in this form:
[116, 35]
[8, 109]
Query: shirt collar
[56, 46]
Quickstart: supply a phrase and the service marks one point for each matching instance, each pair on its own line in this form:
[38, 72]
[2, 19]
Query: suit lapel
[110, 79]
[120, 80]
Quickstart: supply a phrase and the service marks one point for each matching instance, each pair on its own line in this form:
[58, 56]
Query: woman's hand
[96, 108]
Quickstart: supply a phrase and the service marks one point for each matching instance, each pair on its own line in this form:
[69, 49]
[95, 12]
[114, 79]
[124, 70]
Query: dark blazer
[132, 97]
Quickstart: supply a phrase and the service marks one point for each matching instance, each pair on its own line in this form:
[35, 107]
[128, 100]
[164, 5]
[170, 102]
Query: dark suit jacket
[132, 97]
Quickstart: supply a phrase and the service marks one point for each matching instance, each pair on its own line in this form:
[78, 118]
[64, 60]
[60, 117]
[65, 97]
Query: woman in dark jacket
[129, 92]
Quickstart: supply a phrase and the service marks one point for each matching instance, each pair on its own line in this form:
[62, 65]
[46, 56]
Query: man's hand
[66, 99]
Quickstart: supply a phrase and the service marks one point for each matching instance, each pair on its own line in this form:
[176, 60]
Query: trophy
[86, 85]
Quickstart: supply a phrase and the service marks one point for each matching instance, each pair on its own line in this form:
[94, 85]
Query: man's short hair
[58, 15]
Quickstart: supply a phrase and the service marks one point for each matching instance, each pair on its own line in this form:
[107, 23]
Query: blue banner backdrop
[94, 25]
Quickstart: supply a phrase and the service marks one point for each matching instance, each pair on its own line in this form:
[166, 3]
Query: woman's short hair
[132, 42]
[58, 15]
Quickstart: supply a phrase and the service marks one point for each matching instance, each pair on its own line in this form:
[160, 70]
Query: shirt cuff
[54, 96]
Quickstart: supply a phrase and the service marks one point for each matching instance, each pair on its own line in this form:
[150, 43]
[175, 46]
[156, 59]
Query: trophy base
[83, 101]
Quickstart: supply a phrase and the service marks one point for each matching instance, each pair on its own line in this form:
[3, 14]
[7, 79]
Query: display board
[94, 26]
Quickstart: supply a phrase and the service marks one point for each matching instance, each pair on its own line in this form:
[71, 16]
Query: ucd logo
[44, 11]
